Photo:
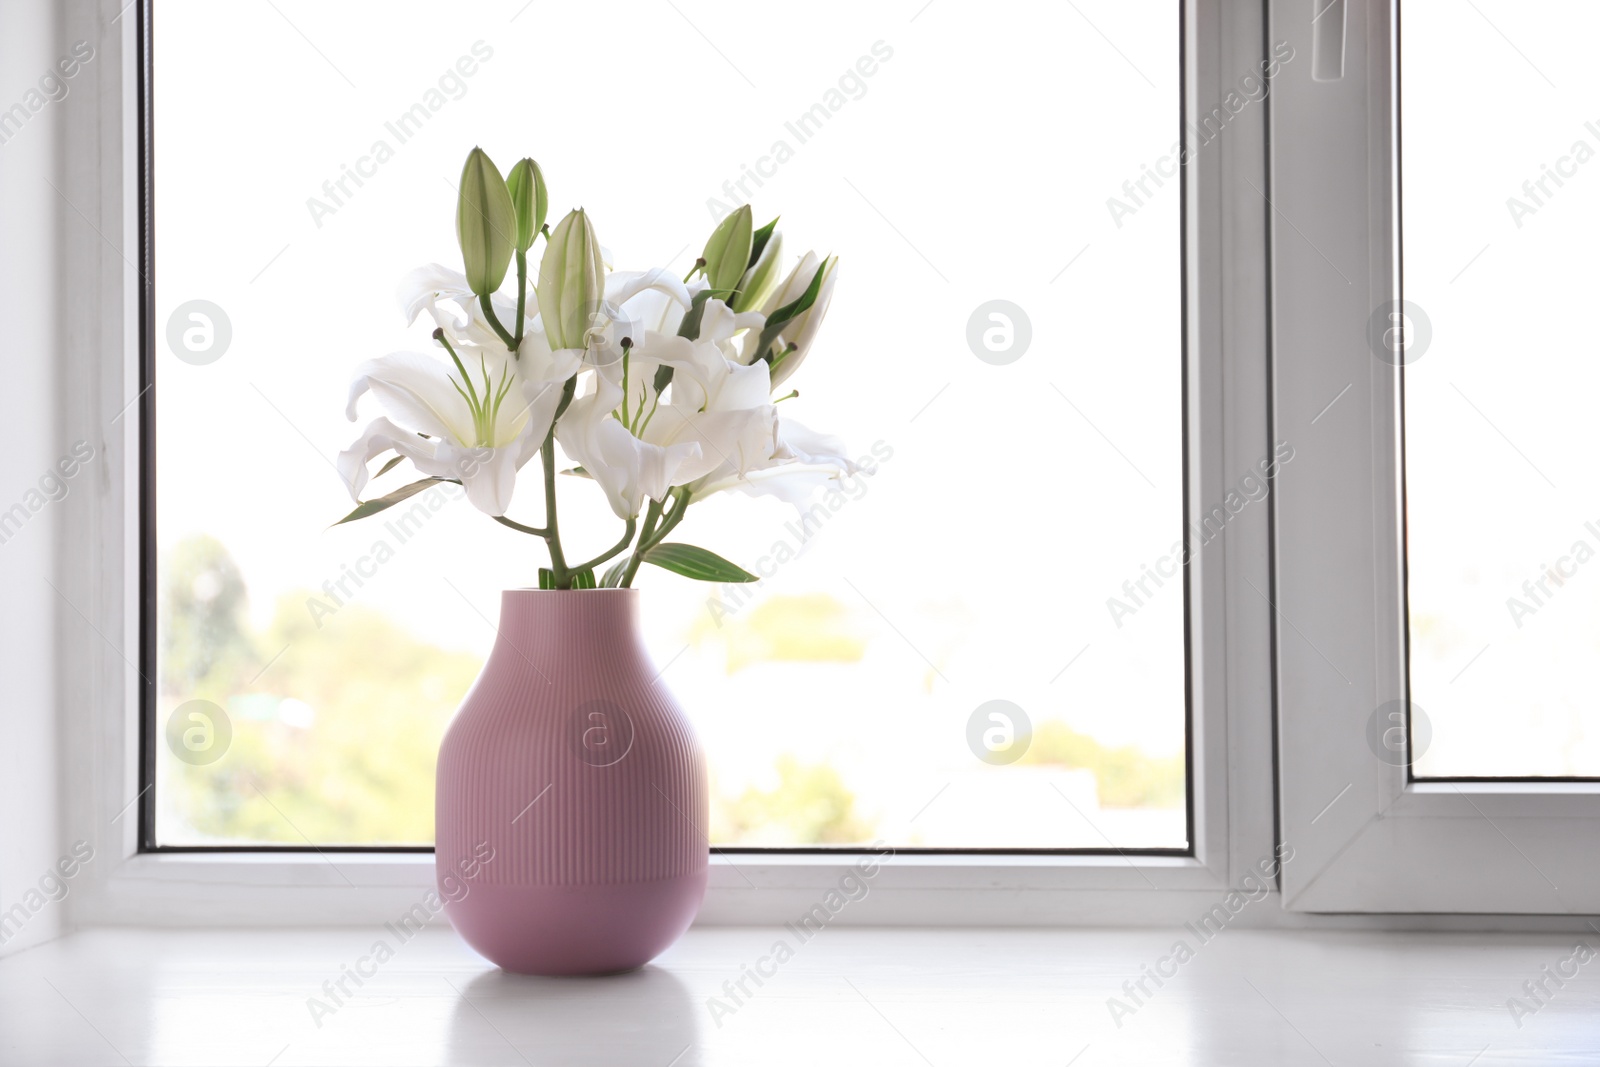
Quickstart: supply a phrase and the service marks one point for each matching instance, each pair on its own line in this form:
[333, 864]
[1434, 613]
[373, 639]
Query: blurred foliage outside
[1125, 777]
[336, 728]
[791, 629]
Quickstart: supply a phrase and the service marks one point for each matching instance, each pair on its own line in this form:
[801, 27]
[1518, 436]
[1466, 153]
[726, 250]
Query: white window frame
[1368, 838]
[1229, 620]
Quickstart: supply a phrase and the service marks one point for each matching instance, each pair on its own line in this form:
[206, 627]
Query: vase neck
[551, 625]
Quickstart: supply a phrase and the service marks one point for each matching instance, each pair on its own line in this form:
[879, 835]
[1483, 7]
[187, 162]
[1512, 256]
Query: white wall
[31, 837]
[68, 641]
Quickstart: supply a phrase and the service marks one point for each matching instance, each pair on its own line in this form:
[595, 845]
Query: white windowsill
[956, 996]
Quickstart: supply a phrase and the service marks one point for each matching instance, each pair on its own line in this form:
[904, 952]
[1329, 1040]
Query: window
[1289, 652]
[1377, 762]
[980, 646]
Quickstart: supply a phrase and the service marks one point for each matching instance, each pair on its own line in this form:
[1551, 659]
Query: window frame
[1232, 810]
[1373, 838]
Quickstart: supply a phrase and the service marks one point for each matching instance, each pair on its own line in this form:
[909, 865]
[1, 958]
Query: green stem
[522, 299]
[654, 535]
[567, 393]
[652, 516]
[488, 311]
[672, 520]
[547, 454]
[503, 521]
[614, 551]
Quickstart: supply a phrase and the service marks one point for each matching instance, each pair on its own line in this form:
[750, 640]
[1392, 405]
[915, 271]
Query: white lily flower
[638, 444]
[471, 422]
[723, 405]
[657, 420]
[628, 469]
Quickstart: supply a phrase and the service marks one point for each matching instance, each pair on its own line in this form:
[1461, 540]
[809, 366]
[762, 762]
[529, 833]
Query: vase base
[577, 929]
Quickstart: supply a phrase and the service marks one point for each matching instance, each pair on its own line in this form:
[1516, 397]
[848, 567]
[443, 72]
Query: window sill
[290, 888]
[843, 996]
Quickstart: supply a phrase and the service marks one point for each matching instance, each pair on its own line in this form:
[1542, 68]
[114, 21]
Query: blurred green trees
[335, 729]
[810, 805]
[1125, 776]
[204, 599]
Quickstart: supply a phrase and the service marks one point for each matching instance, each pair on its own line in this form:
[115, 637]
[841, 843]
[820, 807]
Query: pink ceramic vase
[571, 812]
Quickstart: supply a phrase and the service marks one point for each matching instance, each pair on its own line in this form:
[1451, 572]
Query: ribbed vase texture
[571, 811]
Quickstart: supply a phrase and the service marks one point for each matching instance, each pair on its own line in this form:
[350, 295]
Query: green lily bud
[727, 253]
[759, 281]
[571, 281]
[485, 223]
[525, 183]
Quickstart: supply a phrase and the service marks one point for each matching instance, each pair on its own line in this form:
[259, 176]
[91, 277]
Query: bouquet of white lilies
[658, 389]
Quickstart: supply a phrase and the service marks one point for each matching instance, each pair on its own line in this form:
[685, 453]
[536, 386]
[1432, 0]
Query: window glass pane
[1502, 523]
[996, 236]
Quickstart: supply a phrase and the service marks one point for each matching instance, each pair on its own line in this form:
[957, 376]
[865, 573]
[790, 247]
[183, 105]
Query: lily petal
[628, 470]
[623, 286]
[380, 436]
[489, 475]
[422, 288]
[415, 390]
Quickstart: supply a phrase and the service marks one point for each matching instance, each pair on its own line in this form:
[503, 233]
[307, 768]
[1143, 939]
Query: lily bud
[485, 223]
[525, 183]
[571, 281]
[759, 280]
[727, 253]
[798, 330]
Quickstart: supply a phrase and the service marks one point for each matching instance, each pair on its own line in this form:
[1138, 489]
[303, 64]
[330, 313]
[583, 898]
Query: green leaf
[782, 317]
[689, 328]
[486, 222]
[727, 253]
[583, 579]
[613, 574]
[384, 503]
[758, 242]
[577, 472]
[389, 466]
[697, 563]
[531, 200]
